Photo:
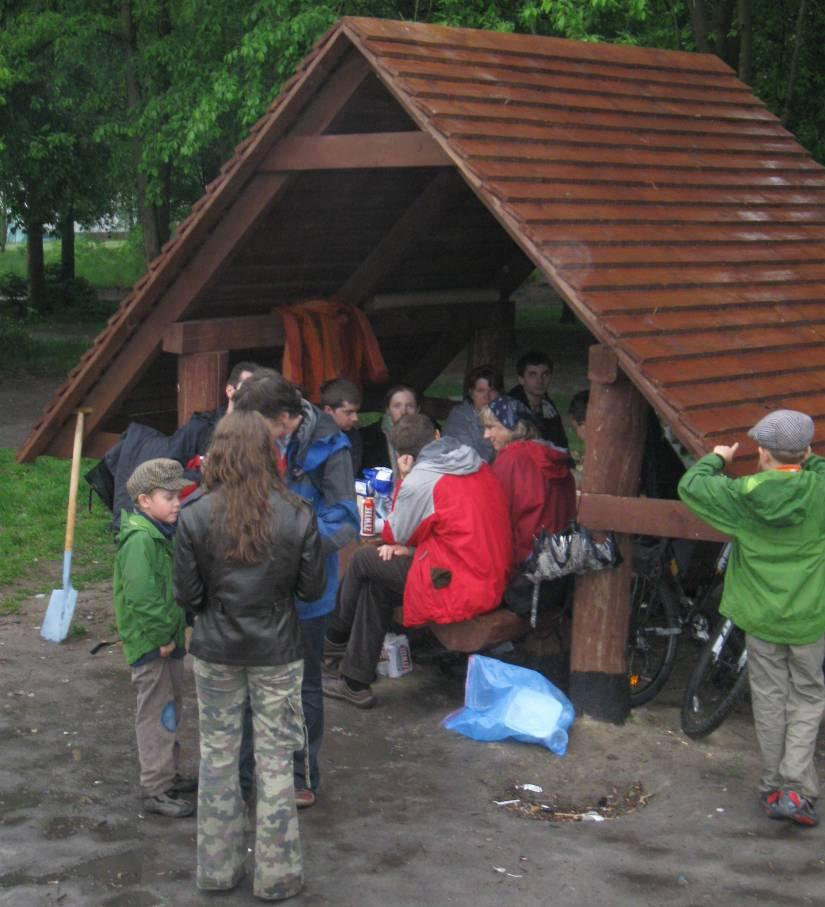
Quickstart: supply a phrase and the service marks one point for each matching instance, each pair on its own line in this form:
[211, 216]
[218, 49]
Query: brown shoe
[169, 805]
[338, 688]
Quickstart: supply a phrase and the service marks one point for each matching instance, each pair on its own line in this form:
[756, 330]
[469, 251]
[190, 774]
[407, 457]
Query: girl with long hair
[245, 549]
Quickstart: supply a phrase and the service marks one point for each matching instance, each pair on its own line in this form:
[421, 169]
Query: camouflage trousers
[275, 694]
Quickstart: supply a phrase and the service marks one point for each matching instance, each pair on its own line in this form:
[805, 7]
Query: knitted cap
[159, 473]
[510, 411]
[784, 429]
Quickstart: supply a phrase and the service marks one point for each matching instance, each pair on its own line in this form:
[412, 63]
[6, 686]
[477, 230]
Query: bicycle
[718, 682]
[661, 613]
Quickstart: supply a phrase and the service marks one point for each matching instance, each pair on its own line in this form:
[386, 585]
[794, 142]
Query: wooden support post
[201, 383]
[616, 417]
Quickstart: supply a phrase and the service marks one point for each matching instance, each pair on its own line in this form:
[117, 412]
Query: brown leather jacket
[246, 614]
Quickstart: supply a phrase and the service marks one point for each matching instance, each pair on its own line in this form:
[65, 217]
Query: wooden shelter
[422, 173]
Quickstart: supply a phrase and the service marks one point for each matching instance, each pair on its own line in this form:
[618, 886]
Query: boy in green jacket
[152, 628]
[775, 592]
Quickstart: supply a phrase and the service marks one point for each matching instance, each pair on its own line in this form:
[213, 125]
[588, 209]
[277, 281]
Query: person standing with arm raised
[775, 592]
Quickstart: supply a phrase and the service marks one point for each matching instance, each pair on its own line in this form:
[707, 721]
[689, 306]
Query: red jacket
[539, 488]
[451, 509]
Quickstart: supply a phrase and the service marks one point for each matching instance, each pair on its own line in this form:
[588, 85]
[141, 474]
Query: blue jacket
[319, 469]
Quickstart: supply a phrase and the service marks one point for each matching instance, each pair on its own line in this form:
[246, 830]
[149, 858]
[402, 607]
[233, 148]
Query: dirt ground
[406, 814]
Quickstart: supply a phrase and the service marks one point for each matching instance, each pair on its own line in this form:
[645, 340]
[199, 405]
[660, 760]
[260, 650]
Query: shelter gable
[666, 205]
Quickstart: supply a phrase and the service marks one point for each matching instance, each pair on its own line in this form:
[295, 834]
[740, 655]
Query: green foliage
[76, 296]
[14, 294]
[113, 263]
[13, 339]
[50, 159]
[52, 355]
[33, 500]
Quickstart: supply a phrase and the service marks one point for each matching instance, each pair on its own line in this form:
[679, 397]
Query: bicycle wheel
[718, 681]
[654, 635]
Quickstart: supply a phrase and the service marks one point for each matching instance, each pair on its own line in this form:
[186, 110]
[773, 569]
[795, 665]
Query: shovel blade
[58, 619]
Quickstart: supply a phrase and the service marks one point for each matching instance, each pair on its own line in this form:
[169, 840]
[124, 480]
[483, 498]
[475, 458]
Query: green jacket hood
[778, 498]
[130, 523]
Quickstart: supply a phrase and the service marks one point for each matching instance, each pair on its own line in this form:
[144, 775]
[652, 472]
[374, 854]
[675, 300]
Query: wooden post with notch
[201, 382]
[616, 418]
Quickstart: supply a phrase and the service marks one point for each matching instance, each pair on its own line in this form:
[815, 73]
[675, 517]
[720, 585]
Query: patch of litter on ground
[529, 805]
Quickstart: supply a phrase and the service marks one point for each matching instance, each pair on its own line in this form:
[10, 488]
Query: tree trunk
[145, 210]
[725, 45]
[38, 297]
[789, 89]
[67, 255]
[746, 41]
[4, 226]
[699, 25]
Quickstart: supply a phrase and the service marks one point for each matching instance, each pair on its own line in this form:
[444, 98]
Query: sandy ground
[406, 813]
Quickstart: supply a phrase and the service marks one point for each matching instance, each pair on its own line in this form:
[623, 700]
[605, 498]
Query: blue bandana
[510, 411]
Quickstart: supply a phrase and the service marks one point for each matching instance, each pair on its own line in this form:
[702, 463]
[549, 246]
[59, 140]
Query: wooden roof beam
[414, 300]
[394, 317]
[356, 152]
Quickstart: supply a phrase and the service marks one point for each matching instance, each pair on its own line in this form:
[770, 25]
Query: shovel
[58, 617]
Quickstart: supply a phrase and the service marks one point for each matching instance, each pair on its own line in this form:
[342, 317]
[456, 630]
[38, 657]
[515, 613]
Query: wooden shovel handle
[74, 478]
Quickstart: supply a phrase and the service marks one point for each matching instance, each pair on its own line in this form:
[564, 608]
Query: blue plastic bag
[504, 702]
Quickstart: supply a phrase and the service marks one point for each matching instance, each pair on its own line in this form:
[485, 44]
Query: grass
[39, 354]
[33, 500]
[110, 263]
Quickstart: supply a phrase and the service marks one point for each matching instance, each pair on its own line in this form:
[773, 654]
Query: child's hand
[726, 453]
[168, 649]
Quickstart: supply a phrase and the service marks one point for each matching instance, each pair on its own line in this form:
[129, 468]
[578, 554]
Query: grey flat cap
[783, 429]
[159, 473]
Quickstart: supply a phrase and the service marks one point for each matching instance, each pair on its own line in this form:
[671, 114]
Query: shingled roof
[663, 201]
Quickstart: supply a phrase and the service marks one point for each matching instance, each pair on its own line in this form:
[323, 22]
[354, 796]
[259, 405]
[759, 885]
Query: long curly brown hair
[240, 471]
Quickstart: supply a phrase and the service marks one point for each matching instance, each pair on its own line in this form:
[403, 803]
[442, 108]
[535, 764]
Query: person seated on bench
[538, 486]
[447, 555]
[482, 385]
[377, 450]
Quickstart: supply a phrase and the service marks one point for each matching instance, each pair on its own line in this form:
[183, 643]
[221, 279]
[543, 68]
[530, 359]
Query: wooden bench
[478, 633]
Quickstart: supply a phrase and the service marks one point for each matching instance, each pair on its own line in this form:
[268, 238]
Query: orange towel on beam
[327, 339]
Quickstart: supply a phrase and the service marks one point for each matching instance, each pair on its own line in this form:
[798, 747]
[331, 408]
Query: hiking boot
[304, 798]
[338, 688]
[798, 808]
[168, 805]
[769, 801]
[184, 784]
